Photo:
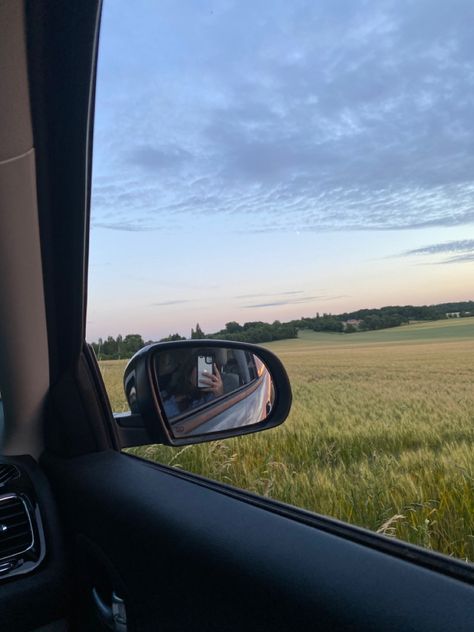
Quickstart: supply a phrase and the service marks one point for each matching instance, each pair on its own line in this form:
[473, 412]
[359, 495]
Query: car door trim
[426, 558]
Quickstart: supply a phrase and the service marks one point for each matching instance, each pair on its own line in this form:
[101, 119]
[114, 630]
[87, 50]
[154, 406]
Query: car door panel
[192, 558]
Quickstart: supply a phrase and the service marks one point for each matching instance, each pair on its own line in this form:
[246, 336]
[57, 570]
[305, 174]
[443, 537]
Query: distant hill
[367, 319]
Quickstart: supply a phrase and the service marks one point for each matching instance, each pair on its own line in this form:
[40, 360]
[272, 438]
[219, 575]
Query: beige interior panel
[24, 367]
[15, 126]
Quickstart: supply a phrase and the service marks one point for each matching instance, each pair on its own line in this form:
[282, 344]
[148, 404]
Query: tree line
[118, 348]
[342, 324]
[124, 347]
[414, 312]
[258, 331]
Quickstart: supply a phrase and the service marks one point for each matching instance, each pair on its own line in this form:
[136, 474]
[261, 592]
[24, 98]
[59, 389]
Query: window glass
[301, 175]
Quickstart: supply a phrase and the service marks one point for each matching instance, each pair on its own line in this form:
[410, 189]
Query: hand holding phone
[208, 376]
[205, 370]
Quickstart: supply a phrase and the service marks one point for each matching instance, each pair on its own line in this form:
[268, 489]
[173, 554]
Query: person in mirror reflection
[185, 394]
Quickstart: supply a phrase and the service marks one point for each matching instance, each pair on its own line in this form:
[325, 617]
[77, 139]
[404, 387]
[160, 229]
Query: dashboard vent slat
[8, 473]
[7, 540]
[9, 514]
[16, 534]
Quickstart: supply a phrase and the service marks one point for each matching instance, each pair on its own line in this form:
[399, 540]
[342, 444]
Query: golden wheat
[380, 435]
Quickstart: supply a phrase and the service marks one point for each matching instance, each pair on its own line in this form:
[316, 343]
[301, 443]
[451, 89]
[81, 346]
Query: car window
[300, 175]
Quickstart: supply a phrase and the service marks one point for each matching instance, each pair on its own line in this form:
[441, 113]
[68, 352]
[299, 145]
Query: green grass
[381, 433]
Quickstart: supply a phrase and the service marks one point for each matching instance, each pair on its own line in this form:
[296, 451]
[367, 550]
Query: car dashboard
[34, 585]
[22, 543]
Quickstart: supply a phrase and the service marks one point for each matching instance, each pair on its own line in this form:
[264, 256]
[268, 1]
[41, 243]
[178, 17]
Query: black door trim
[430, 560]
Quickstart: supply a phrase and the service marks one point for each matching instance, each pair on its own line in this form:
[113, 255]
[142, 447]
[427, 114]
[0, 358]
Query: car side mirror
[202, 390]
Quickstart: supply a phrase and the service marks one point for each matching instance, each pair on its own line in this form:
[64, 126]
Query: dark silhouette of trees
[258, 331]
[198, 333]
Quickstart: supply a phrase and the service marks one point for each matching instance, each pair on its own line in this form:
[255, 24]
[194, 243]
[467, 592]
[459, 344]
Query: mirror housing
[246, 390]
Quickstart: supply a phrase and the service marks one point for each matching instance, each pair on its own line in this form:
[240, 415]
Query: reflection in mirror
[208, 390]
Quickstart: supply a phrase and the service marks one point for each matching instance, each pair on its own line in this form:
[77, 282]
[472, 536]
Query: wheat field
[381, 433]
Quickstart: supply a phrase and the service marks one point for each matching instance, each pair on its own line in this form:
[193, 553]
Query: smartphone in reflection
[204, 368]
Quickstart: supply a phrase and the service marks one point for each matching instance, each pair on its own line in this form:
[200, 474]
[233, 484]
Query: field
[381, 433]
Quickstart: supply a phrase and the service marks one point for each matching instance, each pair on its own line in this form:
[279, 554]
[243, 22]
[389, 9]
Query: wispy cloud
[296, 301]
[126, 226]
[334, 298]
[465, 248]
[260, 294]
[173, 302]
[463, 245]
[467, 258]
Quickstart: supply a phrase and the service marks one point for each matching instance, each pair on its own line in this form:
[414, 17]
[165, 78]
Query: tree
[233, 327]
[254, 323]
[197, 334]
[132, 343]
[109, 347]
[172, 337]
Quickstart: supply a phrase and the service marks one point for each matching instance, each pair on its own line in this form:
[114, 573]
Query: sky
[258, 160]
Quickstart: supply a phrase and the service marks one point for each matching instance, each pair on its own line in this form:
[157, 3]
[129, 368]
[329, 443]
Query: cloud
[157, 158]
[446, 247]
[467, 258]
[296, 301]
[260, 294]
[173, 302]
[465, 248]
[125, 226]
[297, 117]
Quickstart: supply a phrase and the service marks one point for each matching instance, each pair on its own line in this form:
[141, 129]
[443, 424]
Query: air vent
[7, 473]
[16, 533]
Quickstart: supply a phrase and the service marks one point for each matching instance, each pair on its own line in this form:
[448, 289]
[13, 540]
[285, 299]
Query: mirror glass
[205, 390]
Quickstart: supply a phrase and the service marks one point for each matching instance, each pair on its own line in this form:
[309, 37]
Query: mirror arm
[131, 430]
[129, 420]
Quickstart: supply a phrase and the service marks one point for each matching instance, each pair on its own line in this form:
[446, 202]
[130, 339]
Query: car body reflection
[248, 405]
[204, 391]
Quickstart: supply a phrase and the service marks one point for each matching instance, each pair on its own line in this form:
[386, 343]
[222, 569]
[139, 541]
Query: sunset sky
[271, 160]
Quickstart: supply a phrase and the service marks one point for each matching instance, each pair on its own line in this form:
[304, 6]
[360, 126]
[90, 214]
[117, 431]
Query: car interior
[92, 537]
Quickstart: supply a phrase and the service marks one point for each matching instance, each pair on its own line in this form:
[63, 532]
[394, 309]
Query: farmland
[381, 433]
